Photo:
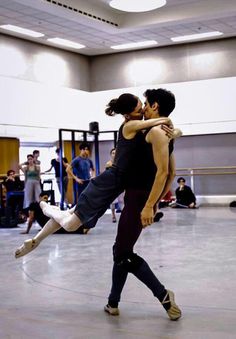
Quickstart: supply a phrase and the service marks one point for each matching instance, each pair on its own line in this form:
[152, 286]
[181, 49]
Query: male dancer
[147, 182]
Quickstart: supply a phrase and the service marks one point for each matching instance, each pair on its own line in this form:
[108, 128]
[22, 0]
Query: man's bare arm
[170, 177]
[71, 174]
[160, 148]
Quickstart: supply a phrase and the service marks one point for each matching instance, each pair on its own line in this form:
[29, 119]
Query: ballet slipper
[28, 246]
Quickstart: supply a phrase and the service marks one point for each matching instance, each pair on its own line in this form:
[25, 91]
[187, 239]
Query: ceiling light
[67, 43]
[22, 31]
[196, 36]
[135, 44]
[137, 5]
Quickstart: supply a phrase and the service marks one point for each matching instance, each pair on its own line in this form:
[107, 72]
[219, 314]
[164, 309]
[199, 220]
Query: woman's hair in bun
[125, 104]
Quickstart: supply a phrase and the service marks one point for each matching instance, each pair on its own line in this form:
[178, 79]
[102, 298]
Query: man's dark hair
[113, 149]
[180, 179]
[83, 145]
[9, 172]
[43, 193]
[36, 151]
[164, 98]
[57, 150]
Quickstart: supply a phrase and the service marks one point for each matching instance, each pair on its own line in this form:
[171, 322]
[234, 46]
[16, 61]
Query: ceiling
[96, 25]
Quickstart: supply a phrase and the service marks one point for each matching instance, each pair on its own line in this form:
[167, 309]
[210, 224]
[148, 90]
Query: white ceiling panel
[98, 26]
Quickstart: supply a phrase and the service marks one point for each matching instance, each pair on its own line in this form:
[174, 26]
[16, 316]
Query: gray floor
[58, 291]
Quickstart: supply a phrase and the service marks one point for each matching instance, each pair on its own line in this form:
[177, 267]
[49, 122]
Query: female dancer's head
[127, 105]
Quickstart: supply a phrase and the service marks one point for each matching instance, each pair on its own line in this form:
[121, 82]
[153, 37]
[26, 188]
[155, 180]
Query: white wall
[43, 89]
[203, 107]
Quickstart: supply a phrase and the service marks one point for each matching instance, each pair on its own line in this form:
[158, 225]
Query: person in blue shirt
[81, 170]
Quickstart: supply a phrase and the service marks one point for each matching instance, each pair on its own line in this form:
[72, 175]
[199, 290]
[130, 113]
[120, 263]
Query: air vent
[75, 10]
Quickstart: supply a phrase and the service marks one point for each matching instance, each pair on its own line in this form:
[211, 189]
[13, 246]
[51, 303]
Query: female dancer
[102, 190]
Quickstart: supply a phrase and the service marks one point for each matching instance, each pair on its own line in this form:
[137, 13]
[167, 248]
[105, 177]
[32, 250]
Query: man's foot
[111, 310]
[158, 216]
[114, 219]
[174, 311]
[28, 246]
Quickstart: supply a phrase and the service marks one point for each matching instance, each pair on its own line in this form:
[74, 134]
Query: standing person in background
[32, 181]
[55, 163]
[115, 202]
[36, 155]
[81, 169]
[185, 197]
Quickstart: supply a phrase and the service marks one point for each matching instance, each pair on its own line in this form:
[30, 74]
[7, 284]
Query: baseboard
[215, 200]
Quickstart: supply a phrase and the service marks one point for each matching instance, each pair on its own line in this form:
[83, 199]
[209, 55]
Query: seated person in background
[35, 213]
[185, 197]
[14, 201]
[13, 182]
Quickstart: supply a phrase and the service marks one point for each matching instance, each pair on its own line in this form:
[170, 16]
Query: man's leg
[127, 235]
[129, 229]
[119, 276]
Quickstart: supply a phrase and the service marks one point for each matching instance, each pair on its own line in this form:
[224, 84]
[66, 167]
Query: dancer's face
[150, 112]
[113, 153]
[30, 160]
[137, 113]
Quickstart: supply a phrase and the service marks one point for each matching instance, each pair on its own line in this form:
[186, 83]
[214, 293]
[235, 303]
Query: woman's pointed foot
[28, 246]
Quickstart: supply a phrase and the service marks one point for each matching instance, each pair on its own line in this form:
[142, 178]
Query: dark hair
[83, 145]
[43, 193]
[36, 151]
[113, 149]
[57, 150]
[30, 155]
[180, 179]
[125, 104]
[10, 171]
[164, 98]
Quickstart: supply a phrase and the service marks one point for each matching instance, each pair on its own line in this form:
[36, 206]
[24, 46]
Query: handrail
[197, 171]
[205, 168]
[206, 173]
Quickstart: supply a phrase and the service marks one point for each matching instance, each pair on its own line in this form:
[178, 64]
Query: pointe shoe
[28, 246]
[111, 310]
[174, 311]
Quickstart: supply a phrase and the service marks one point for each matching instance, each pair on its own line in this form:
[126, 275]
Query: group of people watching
[81, 170]
[26, 205]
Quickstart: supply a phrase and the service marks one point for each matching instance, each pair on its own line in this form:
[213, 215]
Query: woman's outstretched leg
[70, 222]
[30, 244]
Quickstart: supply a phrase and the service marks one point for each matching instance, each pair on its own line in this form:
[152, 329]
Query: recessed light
[137, 5]
[21, 30]
[196, 36]
[67, 43]
[135, 44]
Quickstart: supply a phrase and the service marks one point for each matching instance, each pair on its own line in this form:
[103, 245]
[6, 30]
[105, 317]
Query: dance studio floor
[59, 290]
